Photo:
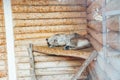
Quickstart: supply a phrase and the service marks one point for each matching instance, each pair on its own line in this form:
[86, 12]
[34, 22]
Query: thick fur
[69, 41]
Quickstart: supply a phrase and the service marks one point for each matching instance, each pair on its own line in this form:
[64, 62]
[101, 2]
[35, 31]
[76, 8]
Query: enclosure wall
[107, 63]
[36, 20]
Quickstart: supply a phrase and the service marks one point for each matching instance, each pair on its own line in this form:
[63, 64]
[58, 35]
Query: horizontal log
[53, 64]
[43, 29]
[47, 2]
[96, 35]
[58, 64]
[48, 71]
[115, 5]
[112, 38]
[59, 51]
[59, 77]
[95, 43]
[44, 59]
[44, 35]
[40, 42]
[113, 23]
[96, 25]
[41, 9]
[53, 15]
[96, 5]
[52, 77]
[49, 22]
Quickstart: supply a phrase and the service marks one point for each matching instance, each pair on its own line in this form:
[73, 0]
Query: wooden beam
[32, 63]
[92, 56]
[48, 2]
[49, 22]
[59, 51]
[9, 40]
[40, 9]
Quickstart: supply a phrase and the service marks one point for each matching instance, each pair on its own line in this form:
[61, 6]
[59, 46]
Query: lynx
[68, 41]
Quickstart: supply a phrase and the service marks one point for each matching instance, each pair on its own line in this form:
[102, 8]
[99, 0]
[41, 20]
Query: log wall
[106, 65]
[3, 54]
[36, 20]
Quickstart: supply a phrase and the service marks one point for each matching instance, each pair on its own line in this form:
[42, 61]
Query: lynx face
[56, 40]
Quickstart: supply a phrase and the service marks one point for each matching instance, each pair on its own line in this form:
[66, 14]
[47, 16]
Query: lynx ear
[46, 39]
[55, 40]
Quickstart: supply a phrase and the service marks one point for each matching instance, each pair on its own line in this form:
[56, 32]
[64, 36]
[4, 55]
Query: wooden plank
[40, 42]
[58, 64]
[53, 15]
[97, 46]
[112, 38]
[59, 77]
[49, 22]
[96, 25]
[43, 29]
[45, 35]
[59, 51]
[32, 63]
[92, 56]
[96, 35]
[39, 9]
[115, 5]
[54, 64]
[47, 2]
[44, 59]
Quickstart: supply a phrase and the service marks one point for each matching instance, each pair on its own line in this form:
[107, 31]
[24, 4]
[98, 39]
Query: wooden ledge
[84, 53]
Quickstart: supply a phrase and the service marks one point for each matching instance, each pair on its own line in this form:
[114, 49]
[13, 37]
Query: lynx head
[56, 40]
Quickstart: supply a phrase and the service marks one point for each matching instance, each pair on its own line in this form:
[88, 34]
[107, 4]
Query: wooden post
[32, 63]
[84, 65]
[9, 40]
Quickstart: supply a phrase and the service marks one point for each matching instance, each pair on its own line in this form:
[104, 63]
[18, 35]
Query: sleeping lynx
[69, 41]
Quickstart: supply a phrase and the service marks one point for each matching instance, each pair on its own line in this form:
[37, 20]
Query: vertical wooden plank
[32, 63]
[9, 40]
